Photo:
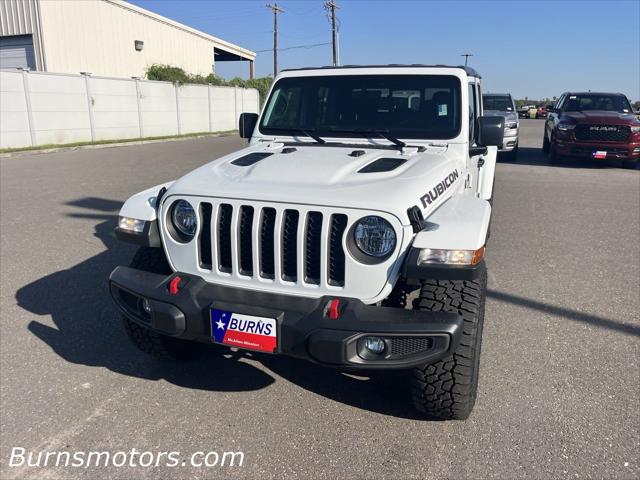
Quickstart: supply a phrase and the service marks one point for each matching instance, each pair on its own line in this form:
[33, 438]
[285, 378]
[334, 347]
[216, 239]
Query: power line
[312, 45]
[276, 10]
[331, 7]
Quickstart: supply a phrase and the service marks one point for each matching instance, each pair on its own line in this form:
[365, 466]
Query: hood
[500, 113]
[331, 176]
[601, 116]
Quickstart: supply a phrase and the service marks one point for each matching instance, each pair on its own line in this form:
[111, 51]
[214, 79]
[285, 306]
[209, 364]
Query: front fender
[459, 224]
[142, 206]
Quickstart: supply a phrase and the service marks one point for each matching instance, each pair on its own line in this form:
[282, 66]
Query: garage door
[17, 52]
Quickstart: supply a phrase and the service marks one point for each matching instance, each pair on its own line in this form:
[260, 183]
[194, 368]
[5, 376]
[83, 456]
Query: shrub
[167, 73]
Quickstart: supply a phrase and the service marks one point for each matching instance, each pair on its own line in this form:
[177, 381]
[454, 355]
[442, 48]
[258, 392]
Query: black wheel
[545, 144]
[150, 342]
[447, 389]
[631, 164]
[554, 158]
[512, 156]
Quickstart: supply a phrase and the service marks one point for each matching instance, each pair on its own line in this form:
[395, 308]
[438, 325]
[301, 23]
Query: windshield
[584, 102]
[402, 106]
[500, 103]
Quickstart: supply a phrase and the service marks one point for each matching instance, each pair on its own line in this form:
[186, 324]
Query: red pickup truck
[600, 126]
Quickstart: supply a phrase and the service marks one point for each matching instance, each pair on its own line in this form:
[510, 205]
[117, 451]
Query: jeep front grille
[605, 133]
[268, 240]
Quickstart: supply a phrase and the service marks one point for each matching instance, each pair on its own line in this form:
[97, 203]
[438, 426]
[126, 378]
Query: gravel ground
[559, 387]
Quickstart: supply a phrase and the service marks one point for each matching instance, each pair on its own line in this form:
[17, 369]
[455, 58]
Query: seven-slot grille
[300, 246]
[607, 133]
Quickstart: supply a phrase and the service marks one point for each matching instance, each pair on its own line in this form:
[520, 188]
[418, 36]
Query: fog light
[146, 306]
[374, 344]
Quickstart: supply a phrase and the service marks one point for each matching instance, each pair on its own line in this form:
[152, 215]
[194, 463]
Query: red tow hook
[174, 285]
[334, 309]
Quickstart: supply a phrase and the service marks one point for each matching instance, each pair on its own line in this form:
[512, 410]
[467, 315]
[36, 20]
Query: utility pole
[466, 57]
[331, 7]
[276, 10]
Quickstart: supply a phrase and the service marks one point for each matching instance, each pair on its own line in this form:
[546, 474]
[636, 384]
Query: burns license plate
[244, 331]
[600, 154]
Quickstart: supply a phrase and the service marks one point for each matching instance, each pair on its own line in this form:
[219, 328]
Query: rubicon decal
[439, 189]
[243, 331]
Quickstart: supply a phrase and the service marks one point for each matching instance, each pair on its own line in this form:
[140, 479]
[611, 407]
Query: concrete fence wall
[49, 108]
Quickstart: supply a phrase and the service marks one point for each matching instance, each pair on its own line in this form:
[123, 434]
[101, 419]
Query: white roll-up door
[16, 51]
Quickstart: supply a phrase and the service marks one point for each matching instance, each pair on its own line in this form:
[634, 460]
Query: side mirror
[247, 124]
[490, 131]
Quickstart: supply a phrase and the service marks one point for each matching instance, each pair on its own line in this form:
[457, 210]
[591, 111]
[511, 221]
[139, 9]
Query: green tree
[168, 73]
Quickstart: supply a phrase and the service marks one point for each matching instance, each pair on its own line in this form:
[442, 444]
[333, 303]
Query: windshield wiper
[381, 133]
[305, 132]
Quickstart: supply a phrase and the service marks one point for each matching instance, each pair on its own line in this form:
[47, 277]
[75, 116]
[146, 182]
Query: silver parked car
[502, 104]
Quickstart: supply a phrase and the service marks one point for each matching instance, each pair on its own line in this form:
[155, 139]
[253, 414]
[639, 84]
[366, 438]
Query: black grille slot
[204, 240]
[289, 245]
[313, 245]
[267, 228]
[336, 253]
[244, 237]
[224, 237]
[606, 133]
[405, 346]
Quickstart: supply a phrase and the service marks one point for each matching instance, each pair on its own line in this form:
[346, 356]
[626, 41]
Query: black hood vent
[251, 158]
[382, 165]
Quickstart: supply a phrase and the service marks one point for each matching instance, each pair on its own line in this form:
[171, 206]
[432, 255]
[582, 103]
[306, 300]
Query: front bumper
[510, 140]
[304, 327]
[583, 149]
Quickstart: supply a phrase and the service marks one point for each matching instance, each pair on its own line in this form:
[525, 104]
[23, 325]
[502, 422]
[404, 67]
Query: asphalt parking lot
[560, 377]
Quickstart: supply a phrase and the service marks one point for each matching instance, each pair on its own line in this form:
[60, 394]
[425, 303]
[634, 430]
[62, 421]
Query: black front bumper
[304, 329]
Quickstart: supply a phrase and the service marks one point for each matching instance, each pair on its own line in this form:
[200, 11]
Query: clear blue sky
[529, 48]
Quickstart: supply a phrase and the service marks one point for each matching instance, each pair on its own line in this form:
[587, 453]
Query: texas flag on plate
[600, 154]
[244, 331]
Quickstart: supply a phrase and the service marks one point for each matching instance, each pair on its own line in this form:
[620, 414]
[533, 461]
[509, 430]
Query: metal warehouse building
[104, 37]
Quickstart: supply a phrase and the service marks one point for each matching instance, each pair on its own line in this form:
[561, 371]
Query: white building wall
[98, 36]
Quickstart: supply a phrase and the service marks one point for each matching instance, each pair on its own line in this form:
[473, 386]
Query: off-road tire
[447, 389]
[545, 144]
[148, 341]
[554, 158]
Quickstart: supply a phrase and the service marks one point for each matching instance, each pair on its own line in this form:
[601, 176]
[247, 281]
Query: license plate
[244, 331]
[600, 154]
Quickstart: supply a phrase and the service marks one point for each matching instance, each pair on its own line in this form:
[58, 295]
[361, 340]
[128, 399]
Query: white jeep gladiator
[361, 187]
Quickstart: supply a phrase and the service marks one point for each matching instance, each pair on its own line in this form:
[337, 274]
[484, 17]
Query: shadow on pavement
[88, 332]
[88, 329]
[562, 312]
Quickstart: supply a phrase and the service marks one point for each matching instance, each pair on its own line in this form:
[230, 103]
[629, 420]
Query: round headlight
[184, 218]
[374, 236]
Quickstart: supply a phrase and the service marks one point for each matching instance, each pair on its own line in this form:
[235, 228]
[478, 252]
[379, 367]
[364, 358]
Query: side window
[473, 112]
[558, 105]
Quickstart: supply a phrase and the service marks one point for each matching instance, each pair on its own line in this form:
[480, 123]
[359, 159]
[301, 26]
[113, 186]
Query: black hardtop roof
[470, 71]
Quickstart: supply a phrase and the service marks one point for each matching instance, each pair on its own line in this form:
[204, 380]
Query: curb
[109, 145]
